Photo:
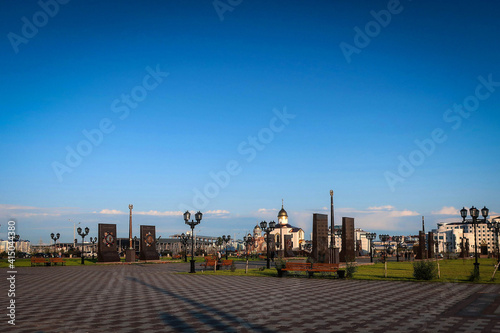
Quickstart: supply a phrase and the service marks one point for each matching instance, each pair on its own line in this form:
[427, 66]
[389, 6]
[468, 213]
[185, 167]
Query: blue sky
[393, 105]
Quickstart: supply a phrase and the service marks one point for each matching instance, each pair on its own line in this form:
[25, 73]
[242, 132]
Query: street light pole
[397, 239]
[184, 242]
[226, 240]
[93, 241]
[249, 241]
[192, 224]
[371, 236]
[267, 230]
[55, 238]
[384, 238]
[83, 234]
[474, 213]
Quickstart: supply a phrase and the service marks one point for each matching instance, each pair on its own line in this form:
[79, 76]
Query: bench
[55, 261]
[312, 268]
[323, 268]
[209, 263]
[297, 266]
[36, 261]
[227, 263]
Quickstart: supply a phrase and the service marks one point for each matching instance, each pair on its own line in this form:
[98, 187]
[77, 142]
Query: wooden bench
[55, 261]
[297, 266]
[209, 263]
[226, 263]
[323, 268]
[36, 261]
[311, 268]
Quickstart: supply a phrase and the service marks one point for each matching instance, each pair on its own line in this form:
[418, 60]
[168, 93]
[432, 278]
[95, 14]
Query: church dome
[282, 212]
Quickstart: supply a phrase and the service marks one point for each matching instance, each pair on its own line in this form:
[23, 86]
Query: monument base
[130, 255]
[108, 257]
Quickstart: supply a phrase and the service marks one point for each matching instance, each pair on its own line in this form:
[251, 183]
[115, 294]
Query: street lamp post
[158, 245]
[384, 238]
[249, 241]
[474, 213]
[371, 236]
[83, 234]
[219, 243]
[55, 238]
[397, 239]
[198, 216]
[184, 242]
[93, 241]
[226, 240]
[267, 230]
[495, 226]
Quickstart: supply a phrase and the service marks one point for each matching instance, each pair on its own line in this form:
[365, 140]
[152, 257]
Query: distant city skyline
[170, 106]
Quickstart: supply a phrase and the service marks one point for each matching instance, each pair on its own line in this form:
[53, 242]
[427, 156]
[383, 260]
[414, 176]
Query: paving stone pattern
[152, 298]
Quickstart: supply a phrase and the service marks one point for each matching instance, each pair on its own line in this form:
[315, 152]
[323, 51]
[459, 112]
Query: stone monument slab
[320, 238]
[107, 250]
[348, 252]
[148, 243]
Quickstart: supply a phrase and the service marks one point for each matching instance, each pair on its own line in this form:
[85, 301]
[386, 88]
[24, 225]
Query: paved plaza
[153, 298]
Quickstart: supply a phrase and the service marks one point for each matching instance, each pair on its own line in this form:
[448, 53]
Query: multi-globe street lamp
[267, 230]
[226, 240]
[198, 216]
[83, 234]
[219, 243]
[158, 245]
[184, 242]
[397, 239]
[371, 236]
[93, 240]
[495, 226]
[55, 238]
[474, 213]
[248, 241]
[384, 239]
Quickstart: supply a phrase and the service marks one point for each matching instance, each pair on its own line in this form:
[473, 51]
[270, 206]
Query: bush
[280, 263]
[350, 269]
[424, 270]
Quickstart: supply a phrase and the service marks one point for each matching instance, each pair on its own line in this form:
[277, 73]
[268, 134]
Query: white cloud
[148, 213]
[157, 213]
[11, 211]
[111, 212]
[266, 210]
[446, 211]
[14, 207]
[402, 213]
[386, 207]
[217, 212]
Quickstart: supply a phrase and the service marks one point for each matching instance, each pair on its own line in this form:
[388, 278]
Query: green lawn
[457, 270]
[453, 270]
